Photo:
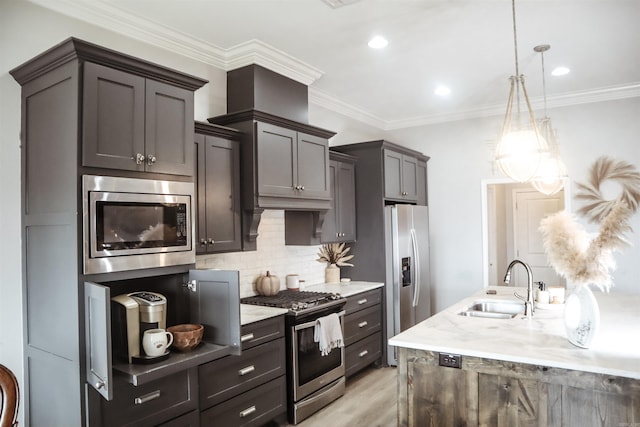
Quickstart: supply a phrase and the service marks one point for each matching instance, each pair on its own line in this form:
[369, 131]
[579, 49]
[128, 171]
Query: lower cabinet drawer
[192, 419]
[224, 378]
[152, 403]
[363, 353]
[253, 408]
[362, 323]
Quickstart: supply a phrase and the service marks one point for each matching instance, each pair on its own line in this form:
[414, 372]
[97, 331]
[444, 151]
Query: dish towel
[328, 333]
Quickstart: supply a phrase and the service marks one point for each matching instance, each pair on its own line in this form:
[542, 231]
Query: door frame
[487, 210]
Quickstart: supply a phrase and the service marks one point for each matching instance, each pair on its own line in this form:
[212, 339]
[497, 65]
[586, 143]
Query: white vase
[332, 274]
[581, 316]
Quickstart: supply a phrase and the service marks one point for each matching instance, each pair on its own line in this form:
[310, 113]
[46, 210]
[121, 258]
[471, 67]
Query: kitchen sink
[493, 309]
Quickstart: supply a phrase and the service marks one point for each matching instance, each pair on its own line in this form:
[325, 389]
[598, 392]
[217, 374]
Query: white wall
[460, 159]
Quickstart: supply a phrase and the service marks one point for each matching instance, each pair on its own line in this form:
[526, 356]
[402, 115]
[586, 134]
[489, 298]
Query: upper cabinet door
[312, 166]
[400, 176]
[168, 129]
[222, 200]
[277, 165]
[137, 124]
[409, 177]
[346, 195]
[113, 118]
[392, 175]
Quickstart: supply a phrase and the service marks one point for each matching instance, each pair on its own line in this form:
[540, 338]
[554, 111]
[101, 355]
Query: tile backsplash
[271, 255]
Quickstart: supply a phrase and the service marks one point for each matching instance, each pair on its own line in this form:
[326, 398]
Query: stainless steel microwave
[134, 223]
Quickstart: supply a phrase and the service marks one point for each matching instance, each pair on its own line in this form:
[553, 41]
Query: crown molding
[603, 94]
[116, 19]
[113, 18]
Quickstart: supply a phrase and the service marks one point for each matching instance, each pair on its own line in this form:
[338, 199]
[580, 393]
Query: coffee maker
[131, 315]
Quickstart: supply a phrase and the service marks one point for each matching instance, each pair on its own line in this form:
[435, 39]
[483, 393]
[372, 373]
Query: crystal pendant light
[521, 147]
[551, 174]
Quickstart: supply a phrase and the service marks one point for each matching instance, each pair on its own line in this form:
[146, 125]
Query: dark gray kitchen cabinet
[362, 330]
[250, 389]
[285, 165]
[150, 404]
[135, 123]
[400, 176]
[217, 180]
[340, 220]
[291, 164]
[52, 140]
[422, 198]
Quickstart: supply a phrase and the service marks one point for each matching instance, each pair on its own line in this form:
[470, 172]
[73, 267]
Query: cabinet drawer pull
[363, 324]
[246, 337]
[147, 397]
[362, 301]
[247, 411]
[363, 353]
[247, 370]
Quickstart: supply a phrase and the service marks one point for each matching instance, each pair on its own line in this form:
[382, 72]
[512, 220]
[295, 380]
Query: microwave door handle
[416, 268]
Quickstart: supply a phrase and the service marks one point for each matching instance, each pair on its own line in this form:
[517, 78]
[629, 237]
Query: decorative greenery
[569, 248]
[335, 253]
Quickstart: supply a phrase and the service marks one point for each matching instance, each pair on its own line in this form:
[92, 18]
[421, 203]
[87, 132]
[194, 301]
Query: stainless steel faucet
[528, 302]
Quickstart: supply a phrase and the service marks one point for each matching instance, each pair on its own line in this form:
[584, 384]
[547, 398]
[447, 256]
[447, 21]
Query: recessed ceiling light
[442, 90]
[378, 42]
[560, 71]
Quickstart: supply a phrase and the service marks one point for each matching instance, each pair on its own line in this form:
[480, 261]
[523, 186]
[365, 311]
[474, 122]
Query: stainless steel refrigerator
[407, 286]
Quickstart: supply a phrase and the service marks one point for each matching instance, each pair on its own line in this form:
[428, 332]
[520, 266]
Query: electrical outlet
[450, 360]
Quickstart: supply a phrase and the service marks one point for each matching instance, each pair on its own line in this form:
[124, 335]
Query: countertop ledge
[539, 341]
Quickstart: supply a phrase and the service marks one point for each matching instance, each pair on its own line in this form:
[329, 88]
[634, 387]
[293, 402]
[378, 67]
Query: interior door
[530, 208]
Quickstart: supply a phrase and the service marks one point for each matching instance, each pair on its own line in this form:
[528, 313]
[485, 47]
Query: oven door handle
[310, 324]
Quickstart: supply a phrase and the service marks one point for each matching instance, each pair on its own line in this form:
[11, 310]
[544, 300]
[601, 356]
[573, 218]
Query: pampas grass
[574, 254]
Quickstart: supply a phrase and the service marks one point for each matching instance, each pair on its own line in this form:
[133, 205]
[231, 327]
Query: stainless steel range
[313, 380]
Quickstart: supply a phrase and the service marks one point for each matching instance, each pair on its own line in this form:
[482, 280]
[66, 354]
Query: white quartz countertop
[539, 341]
[346, 289]
[255, 313]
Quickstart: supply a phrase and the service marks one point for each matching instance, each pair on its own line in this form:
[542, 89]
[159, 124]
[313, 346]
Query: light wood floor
[369, 401]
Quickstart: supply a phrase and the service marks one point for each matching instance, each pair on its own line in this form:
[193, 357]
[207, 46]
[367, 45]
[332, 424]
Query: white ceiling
[465, 44]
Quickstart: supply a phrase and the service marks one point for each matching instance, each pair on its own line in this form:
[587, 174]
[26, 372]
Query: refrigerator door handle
[416, 267]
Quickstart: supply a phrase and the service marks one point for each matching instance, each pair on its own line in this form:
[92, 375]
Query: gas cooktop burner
[294, 300]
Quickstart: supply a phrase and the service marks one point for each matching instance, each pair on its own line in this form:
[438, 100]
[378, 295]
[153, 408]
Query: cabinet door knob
[99, 385]
[211, 241]
[203, 241]
[302, 187]
[139, 158]
[151, 159]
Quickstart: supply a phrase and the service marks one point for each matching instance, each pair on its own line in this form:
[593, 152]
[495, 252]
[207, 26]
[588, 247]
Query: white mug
[156, 341]
[293, 282]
